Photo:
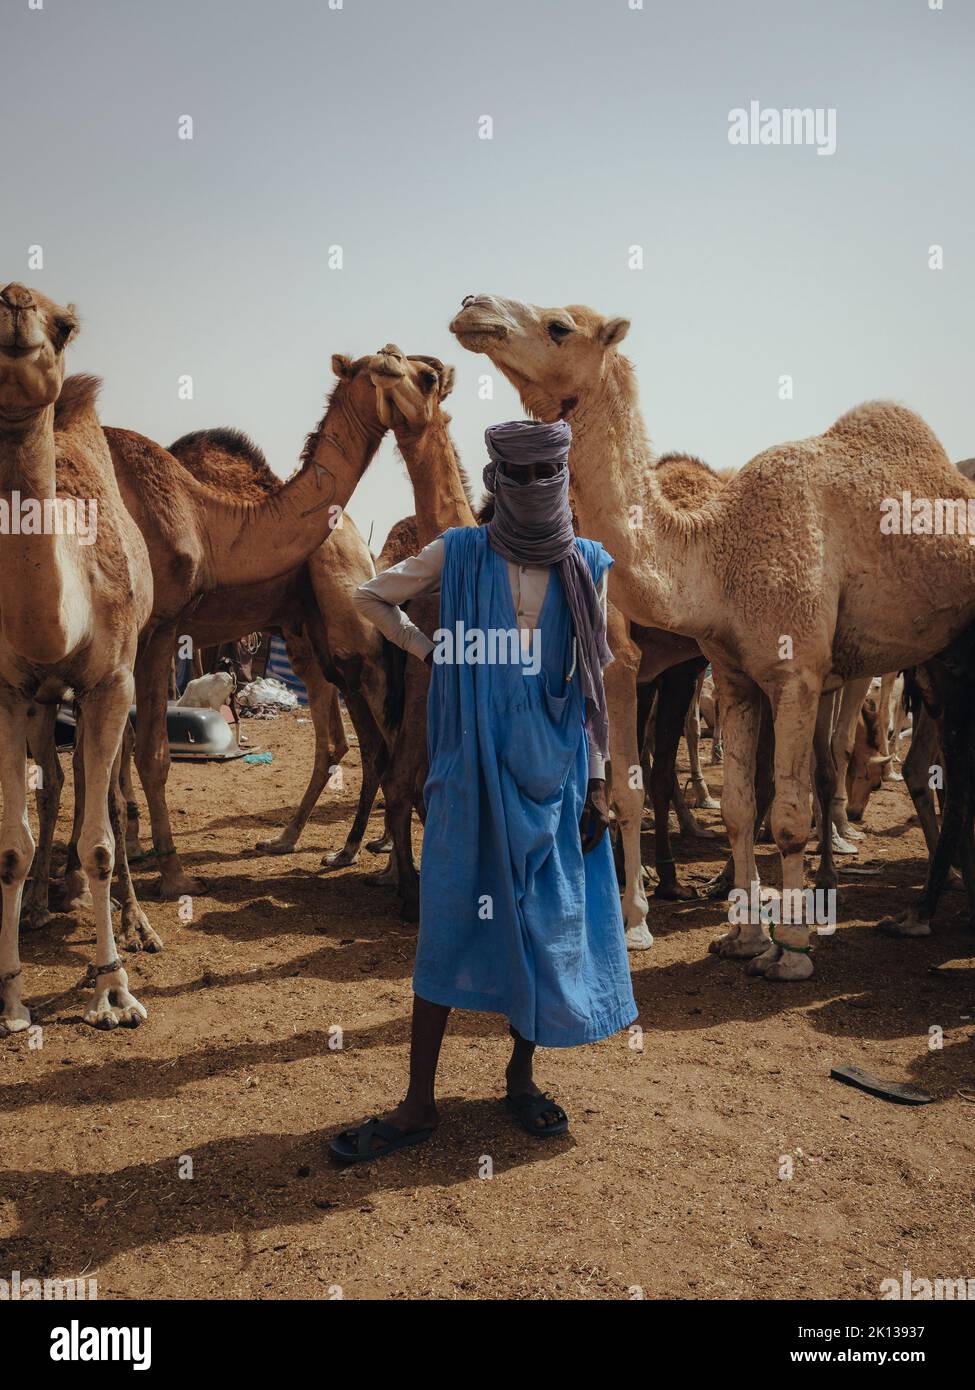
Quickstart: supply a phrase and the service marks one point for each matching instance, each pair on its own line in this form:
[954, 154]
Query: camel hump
[78, 399]
[686, 480]
[885, 423]
[227, 460]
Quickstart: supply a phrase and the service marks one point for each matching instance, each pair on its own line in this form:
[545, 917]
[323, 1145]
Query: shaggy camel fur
[821, 597]
[70, 615]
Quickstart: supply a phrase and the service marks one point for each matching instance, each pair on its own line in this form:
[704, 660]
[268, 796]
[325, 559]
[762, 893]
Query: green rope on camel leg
[783, 946]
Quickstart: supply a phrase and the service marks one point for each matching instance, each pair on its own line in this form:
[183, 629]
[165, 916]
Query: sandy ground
[668, 1184]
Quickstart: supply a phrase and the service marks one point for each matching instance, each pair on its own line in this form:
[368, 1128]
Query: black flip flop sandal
[356, 1145]
[528, 1109]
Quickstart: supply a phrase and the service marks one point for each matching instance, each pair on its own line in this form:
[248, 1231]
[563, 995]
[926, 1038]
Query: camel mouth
[385, 374]
[473, 335]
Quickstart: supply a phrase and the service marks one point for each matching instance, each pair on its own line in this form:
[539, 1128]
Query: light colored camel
[784, 578]
[70, 615]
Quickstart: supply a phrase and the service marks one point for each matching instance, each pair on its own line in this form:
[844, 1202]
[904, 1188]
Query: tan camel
[71, 607]
[785, 577]
[213, 552]
[328, 644]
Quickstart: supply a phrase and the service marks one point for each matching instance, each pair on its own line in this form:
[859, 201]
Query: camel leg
[106, 711]
[75, 894]
[152, 760]
[848, 708]
[923, 754]
[16, 854]
[887, 717]
[323, 706]
[675, 694]
[627, 799]
[374, 755]
[826, 784]
[127, 788]
[795, 709]
[741, 705]
[717, 737]
[700, 792]
[135, 930]
[41, 735]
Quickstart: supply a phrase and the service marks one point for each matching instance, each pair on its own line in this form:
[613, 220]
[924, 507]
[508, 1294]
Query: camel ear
[613, 331]
[64, 327]
[341, 365]
[446, 382]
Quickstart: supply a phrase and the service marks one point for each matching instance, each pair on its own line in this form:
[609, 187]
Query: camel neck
[438, 488]
[38, 579]
[618, 501]
[257, 542]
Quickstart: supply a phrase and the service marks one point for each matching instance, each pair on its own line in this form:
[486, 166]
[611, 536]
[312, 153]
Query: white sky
[358, 126]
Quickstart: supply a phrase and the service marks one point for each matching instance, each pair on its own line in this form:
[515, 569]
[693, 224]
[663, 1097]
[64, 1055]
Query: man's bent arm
[379, 599]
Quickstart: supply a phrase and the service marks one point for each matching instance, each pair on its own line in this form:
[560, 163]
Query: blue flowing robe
[514, 918]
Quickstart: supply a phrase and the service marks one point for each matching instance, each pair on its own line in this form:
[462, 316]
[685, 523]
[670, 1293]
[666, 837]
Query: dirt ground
[668, 1185]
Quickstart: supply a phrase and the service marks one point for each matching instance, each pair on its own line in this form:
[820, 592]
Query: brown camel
[412, 390]
[213, 552]
[71, 608]
[785, 578]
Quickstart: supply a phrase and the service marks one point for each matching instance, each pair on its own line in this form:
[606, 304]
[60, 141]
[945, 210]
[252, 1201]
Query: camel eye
[557, 331]
[428, 381]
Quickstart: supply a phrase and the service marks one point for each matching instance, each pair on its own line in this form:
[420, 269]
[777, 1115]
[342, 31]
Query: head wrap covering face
[532, 525]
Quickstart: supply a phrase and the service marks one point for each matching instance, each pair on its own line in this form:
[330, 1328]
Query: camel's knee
[16, 856]
[790, 827]
[96, 852]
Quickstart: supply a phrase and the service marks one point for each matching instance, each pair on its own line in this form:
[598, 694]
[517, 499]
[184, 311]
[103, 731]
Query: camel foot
[776, 964]
[698, 795]
[675, 892]
[826, 880]
[75, 895]
[380, 846]
[717, 888]
[135, 933]
[340, 858]
[704, 832]
[386, 878]
[14, 1016]
[177, 884]
[735, 945]
[33, 917]
[112, 1006]
[638, 937]
[284, 844]
[906, 923]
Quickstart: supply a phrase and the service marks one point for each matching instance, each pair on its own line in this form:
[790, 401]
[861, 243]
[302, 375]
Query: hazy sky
[358, 126]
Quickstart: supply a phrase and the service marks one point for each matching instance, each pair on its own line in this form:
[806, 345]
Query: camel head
[551, 356]
[865, 771]
[355, 394]
[34, 331]
[408, 389]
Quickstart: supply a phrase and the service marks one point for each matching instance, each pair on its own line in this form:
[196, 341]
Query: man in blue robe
[519, 905]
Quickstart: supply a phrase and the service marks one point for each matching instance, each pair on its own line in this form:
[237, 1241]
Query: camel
[70, 615]
[223, 558]
[785, 577]
[411, 391]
